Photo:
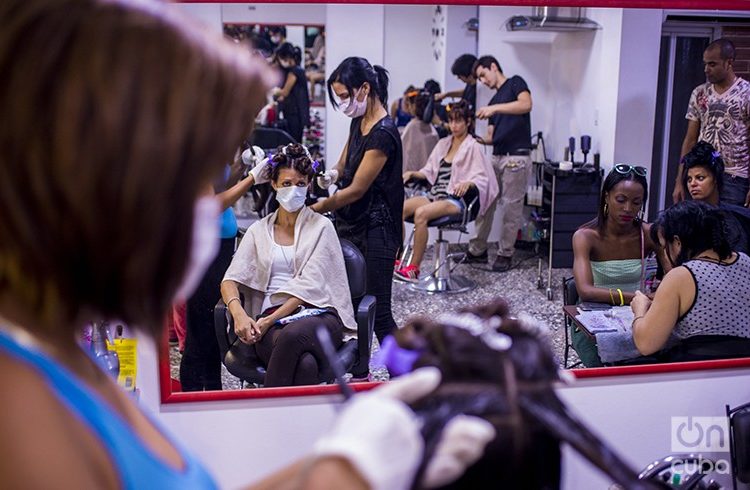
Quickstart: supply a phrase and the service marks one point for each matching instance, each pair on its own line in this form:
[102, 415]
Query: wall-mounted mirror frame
[168, 395]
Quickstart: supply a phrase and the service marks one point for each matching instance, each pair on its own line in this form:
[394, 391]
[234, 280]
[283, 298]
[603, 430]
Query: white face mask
[355, 108]
[204, 245]
[285, 64]
[291, 198]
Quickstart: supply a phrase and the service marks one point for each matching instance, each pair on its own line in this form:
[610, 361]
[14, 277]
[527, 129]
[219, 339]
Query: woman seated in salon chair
[610, 251]
[704, 300]
[459, 175]
[290, 260]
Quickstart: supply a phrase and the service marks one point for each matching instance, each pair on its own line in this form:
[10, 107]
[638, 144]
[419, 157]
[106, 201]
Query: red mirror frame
[167, 383]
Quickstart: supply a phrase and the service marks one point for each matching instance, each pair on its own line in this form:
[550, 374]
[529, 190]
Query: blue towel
[616, 346]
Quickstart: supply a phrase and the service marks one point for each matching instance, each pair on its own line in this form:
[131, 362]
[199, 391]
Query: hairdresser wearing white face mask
[370, 199]
[290, 259]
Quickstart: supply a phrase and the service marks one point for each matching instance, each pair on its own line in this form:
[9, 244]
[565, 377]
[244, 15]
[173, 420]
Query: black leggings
[200, 368]
[382, 249]
[292, 354]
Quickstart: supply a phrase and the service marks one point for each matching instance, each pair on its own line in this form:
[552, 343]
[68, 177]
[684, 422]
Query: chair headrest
[356, 268]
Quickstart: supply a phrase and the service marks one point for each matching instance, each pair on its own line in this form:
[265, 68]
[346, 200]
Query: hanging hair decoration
[715, 155]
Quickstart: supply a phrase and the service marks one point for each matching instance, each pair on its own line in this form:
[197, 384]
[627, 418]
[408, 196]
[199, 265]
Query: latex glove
[379, 434]
[259, 172]
[461, 444]
[328, 178]
[252, 156]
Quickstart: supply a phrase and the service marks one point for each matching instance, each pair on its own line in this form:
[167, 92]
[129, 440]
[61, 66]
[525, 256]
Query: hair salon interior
[521, 167]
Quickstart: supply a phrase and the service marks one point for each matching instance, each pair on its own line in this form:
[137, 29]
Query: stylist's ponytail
[382, 84]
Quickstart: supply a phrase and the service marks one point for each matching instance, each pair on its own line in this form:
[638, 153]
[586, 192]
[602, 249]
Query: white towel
[319, 272]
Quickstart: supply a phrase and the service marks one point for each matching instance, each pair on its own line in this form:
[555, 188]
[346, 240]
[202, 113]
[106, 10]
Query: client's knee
[420, 217]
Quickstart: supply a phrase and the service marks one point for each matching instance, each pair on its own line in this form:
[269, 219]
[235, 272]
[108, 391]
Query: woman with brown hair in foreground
[116, 118]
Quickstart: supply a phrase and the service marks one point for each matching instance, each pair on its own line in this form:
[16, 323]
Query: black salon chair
[241, 361]
[270, 138]
[570, 297]
[441, 279]
[739, 443]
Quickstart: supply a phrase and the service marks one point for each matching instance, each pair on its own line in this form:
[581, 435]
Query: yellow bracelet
[611, 297]
[235, 298]
[622, 299]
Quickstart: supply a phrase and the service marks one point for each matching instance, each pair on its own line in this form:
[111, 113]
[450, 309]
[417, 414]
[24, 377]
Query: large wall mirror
[625, 82]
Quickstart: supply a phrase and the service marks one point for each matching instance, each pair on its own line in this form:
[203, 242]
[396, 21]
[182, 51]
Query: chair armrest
[365, 327]
[221, 322]
[469, 210]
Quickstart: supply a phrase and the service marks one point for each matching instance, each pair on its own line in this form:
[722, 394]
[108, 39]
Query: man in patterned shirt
[719, 113]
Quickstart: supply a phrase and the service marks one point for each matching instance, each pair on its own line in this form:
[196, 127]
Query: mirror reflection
[508, 142]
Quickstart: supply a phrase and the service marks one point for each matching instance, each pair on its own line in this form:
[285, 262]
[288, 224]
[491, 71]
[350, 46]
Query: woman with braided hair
[501, 369]
[703, 299]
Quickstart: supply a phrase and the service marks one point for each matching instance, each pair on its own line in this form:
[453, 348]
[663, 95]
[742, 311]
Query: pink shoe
[408, 273]
[397, 264]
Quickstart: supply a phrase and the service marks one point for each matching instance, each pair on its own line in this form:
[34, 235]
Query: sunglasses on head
[624, 169]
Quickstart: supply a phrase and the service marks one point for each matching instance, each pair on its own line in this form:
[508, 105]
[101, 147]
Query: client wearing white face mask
[289, 259]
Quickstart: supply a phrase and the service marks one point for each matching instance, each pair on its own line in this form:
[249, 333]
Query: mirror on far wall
[607, 82]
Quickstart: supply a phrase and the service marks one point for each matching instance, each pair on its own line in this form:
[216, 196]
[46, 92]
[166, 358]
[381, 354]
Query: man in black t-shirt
[463, 69]
[509, 133]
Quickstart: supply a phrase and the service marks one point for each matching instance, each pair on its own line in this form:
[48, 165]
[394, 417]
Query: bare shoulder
[585, 237]
[39, 432]
[677, 281]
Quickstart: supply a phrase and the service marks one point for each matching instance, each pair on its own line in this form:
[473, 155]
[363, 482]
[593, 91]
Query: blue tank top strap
[137, 466]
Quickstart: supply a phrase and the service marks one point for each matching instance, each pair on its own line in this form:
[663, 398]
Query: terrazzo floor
[518, 286]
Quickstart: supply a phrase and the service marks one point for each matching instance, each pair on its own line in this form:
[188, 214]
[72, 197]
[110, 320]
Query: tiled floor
[518, 286]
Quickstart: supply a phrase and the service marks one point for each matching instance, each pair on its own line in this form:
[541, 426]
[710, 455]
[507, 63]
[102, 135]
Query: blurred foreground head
[116, 116]
[501, 369]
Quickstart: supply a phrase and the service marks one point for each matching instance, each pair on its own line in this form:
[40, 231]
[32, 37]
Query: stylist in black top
[370, 199]
[293, 97]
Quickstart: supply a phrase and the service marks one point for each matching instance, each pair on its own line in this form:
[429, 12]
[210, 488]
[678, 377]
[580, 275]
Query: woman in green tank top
[609, 251]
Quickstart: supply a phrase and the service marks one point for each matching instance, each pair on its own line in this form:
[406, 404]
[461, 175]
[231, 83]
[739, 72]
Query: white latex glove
[461, 444]
[328, 178]
[379, 434]
[259, 174]
[252, 156]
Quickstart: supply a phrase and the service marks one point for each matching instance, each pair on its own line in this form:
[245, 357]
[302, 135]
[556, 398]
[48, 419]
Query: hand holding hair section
[261, 173]
[328, 178]
[379, 434]
[252, 156]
